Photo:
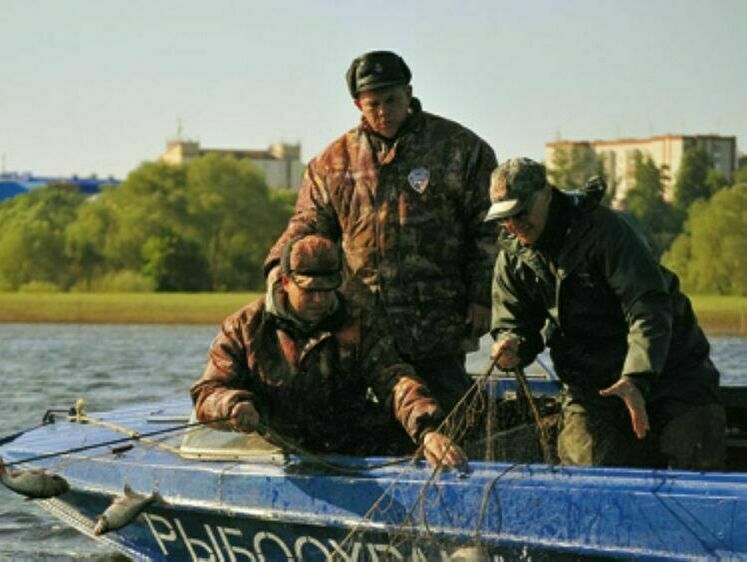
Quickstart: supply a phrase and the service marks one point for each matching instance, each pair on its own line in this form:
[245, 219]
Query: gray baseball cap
[512, 185]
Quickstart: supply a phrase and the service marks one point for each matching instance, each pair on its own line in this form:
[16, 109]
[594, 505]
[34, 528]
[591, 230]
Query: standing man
[639, 387]
[406, 193]
[300, 362]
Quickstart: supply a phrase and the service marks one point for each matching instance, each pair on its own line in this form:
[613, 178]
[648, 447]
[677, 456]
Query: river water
[52, 365]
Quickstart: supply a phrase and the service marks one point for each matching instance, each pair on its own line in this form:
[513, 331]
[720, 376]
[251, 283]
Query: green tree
[200, 226]
[151, 202]
[714, 182]
[573, 165]
[710, 256]
[691, 182]
[645, 201]
[234, 216]
[740, 175]
[32, 236]
[175, 264]
[85, 239]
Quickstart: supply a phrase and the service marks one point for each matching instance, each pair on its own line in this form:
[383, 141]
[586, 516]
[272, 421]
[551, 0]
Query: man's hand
[633, 399]
[505, 352]
[442, 452]
[244, 417]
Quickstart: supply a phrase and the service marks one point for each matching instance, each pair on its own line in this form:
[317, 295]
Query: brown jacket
[310, 384]
[410, 219]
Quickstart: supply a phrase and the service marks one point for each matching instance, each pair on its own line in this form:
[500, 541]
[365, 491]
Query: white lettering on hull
[228, 544]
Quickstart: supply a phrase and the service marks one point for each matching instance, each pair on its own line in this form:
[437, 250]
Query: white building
[666, 151]
[281, 163]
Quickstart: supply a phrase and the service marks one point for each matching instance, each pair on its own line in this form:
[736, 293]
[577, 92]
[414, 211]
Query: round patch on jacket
[418, 179]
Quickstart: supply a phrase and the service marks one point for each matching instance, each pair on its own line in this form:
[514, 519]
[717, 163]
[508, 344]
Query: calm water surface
[44, 366]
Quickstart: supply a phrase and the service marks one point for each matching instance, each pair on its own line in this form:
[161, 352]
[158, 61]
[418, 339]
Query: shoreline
[717, 315]
[121, 308]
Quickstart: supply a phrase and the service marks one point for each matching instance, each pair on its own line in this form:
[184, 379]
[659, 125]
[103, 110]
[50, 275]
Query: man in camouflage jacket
[623, 338]
[300, 361]
[406, 192]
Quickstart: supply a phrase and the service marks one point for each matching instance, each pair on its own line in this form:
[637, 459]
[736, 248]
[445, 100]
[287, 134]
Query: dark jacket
[310, 383]
[410, 218]
[599, 299]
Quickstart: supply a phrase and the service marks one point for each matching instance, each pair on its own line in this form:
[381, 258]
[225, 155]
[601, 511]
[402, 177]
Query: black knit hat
[377, 69]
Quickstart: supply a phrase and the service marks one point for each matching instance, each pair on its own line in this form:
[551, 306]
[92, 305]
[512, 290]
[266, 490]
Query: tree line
[701, 233]
[207, 225]
[201, 226]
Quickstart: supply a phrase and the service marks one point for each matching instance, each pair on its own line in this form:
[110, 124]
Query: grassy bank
[121, 308]
[717, 314]
[721, 315]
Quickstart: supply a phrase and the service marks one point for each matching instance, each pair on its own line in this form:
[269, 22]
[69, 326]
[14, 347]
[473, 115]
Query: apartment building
[281, 163]
[618, 157]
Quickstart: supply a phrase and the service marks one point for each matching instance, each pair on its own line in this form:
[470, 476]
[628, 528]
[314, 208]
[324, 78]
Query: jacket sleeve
[314, 214]
[395, 383]
[635, 276]
[515, 310]
[481, 247]
[224, 382]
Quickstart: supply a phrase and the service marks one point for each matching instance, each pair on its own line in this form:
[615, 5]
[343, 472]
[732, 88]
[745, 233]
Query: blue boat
[228, 497]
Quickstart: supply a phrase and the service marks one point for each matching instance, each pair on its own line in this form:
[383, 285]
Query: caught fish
[123, 509]
[34, 484]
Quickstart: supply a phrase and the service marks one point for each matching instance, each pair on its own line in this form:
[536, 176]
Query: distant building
[12, 184]
[281, 163]
[666, 151]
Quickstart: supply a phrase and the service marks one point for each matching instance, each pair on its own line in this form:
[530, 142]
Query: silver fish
[123, 509]
[34, 484]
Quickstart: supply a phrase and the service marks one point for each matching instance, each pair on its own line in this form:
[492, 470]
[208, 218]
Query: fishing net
[508, 429]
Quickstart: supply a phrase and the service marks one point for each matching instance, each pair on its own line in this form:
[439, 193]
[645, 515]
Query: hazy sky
[98, 86]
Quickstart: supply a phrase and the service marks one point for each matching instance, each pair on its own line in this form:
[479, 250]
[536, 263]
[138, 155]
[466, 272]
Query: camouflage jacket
[410, 218]
[604, 307]
[311, 386]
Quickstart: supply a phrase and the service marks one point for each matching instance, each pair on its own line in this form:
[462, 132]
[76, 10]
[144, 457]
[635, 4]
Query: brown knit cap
[313, 262]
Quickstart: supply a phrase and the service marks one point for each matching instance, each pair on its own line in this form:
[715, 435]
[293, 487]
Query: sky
[97, 87]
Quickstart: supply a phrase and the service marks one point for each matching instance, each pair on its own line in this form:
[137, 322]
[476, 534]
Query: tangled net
[488, 428]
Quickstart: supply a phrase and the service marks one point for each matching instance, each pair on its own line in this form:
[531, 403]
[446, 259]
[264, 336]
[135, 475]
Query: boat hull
[276, 507]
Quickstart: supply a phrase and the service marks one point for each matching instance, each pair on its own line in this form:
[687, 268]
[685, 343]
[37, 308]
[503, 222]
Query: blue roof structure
[13, 184]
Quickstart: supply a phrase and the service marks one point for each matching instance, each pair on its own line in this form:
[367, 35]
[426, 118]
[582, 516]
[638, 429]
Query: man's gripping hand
[244, 417]
[505, 352]
[442, 452]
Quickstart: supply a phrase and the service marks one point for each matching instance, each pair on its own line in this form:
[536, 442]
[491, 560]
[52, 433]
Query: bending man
[300, 361]
[639, 388]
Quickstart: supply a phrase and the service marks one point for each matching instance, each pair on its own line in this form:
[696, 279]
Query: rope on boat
[80, 416]
[131, 436]
[77, 414]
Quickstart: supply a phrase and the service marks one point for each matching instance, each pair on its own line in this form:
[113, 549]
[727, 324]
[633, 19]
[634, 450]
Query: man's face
[386, 109]
[310, 306]
[528, 225]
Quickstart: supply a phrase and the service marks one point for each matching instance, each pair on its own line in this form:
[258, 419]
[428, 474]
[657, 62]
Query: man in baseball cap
[520, 197]
[579, 278]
